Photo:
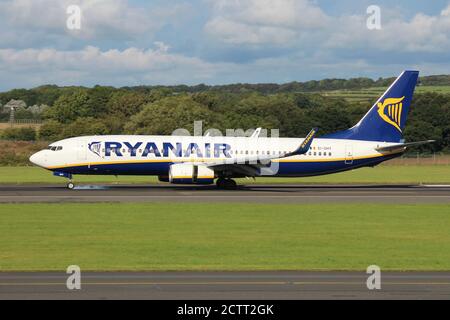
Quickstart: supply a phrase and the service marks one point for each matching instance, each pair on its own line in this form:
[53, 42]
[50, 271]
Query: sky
[136, 42]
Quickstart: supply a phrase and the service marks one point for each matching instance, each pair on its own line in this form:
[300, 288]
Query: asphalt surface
[251, 193]
[225, 285]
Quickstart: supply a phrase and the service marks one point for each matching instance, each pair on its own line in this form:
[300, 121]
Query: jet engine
[190, 174]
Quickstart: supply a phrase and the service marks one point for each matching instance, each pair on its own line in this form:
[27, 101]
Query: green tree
[19, 134]
[84, 127]
[69, 107]
[164, 116]
[51, 130]
[126, 104]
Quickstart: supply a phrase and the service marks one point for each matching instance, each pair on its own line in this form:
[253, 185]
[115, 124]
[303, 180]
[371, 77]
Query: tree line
[76, 111]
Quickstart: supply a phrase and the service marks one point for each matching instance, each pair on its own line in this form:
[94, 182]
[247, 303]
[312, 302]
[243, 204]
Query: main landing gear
[227, 184]
[70, 185]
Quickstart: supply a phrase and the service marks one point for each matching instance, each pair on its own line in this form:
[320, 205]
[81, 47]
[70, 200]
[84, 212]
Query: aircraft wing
[403, 146]
[249, 165]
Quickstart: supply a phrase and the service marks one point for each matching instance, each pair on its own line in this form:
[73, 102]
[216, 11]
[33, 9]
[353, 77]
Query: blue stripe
[284, 169]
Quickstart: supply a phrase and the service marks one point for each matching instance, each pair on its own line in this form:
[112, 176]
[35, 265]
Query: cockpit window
[54, 148]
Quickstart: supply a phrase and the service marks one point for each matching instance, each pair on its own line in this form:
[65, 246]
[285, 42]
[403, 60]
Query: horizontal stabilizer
[403, 145]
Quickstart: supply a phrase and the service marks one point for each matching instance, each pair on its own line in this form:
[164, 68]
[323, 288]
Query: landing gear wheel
[227, 184]
[230, 184]
[221, 183]
[70, 186]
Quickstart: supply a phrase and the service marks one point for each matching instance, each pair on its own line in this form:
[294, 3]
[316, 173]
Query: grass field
[421, 174]
[217, 237]
[6, 125]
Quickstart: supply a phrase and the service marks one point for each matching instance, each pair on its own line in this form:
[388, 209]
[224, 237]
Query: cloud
[422, 33]
[263, 21]
[303, 25]
[43, 22]
[132, 66]
[222, 42]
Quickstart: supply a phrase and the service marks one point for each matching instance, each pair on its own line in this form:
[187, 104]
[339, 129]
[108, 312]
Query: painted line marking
[227, 283]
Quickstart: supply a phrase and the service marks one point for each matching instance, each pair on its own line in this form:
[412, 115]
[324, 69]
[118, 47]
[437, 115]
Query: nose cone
[38, 159]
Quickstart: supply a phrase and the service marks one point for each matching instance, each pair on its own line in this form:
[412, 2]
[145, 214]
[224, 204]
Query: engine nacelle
[190, 174]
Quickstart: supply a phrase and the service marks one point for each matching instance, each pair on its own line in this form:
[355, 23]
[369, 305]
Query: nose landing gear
[226, 184]
[70, 185]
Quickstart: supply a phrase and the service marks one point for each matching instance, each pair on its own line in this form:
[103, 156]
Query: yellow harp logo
[391, 111]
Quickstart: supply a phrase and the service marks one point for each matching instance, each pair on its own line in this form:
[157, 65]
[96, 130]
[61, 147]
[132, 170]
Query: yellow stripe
[338, 159]
[122, 162]
[396, 113]
[211, 160]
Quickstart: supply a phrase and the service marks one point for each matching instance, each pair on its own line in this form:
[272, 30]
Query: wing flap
[252, 166]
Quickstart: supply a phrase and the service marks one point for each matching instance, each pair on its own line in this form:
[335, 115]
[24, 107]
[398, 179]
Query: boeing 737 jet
[377, 137]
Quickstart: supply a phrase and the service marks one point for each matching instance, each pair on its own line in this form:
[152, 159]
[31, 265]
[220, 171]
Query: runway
[225, 285]
[250, 193]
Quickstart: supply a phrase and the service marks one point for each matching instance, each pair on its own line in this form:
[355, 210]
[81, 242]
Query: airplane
[203, 160]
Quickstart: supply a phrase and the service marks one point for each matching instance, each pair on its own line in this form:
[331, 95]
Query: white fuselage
[152, 155]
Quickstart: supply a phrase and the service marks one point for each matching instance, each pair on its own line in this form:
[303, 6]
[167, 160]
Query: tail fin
[386, 120]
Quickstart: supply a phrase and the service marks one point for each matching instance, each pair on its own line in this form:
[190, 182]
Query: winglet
[306, 144]
[256, 133]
